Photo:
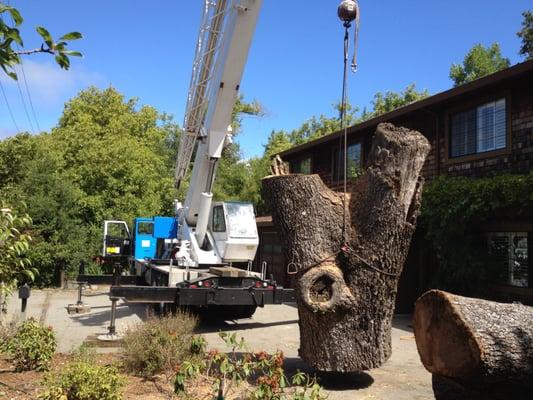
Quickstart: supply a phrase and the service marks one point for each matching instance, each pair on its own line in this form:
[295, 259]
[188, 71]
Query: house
[475, 130]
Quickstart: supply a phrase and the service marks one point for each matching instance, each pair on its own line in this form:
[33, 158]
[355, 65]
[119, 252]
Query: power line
[29, 96]
[25, 108]
[8, 107]
[27, 91]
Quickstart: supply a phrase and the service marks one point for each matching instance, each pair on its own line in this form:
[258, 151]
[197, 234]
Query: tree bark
[474, 342]
[349, 250]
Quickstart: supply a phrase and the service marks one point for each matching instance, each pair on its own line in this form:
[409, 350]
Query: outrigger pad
[78, 309]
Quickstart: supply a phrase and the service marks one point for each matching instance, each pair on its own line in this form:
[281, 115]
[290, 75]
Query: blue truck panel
[146, 231]
[165, 227]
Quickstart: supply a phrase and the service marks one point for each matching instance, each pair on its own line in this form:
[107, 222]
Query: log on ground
[475, 349]
[350, 250]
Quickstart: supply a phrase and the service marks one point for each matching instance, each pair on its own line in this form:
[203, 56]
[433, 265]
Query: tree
[479, 61]
[278, 141]
[14, 244]
[316, 127]
[526, 34]
[350, 256]
[107, 158]
[11, 43]
[390, 101]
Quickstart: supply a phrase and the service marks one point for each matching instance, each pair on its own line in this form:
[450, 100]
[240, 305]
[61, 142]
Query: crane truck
[189, 259]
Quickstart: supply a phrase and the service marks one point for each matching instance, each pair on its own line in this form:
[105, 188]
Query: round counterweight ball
[347, 10]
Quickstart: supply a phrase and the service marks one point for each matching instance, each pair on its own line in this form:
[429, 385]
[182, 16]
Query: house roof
[488, 81]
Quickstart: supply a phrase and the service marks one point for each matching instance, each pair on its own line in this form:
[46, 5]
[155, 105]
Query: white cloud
[50, 85]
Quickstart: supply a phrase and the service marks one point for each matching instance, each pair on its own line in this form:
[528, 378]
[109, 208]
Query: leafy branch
[10, 38]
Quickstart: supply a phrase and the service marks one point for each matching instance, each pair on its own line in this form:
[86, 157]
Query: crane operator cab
[234, 231]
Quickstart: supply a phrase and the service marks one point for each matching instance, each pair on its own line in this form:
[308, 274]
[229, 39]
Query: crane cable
[348, 11]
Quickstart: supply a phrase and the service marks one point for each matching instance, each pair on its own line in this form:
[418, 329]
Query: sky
[145, 50]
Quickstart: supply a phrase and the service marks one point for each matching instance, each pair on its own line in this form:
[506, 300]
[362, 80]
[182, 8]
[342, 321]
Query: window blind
[478, 130]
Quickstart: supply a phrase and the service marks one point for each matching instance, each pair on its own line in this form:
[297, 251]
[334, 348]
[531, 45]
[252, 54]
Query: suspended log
[349, 250]
[475, 348]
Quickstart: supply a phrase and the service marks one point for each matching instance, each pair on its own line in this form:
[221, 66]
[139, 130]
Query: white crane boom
[226, 31]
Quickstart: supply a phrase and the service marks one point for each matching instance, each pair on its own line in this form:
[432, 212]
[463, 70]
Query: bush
[8, 330]
[84, 379]
[33, 346]
[159, 344]
[264, 373]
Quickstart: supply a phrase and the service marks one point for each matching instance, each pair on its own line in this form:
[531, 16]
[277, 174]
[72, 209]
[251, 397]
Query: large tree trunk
[347, 288]
[475, 348]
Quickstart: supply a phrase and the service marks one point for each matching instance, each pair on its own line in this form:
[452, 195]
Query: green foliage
[10, 38]
[159, 344]
[390, 101]
[451, 209]
[479, 61]
[84, 379]
[316, 127]
[243, 108]
[106, 159]
[32, 346]
[263, 371]
[526, 35]
[14, 246]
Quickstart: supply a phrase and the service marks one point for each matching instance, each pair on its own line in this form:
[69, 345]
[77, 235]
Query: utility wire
[29, 96]
[27, 90]
[8, 107]
[25, 108]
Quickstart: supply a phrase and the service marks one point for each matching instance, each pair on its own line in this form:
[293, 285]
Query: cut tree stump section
[346, 289]
[475, 348]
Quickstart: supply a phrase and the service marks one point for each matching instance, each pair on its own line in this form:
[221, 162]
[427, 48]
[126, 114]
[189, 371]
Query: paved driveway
[271, 328]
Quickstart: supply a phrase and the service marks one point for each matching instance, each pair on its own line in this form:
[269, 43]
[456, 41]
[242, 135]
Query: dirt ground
[271, 328]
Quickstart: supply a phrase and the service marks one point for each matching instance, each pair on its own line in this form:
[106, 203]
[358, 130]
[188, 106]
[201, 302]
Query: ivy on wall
[452, 211]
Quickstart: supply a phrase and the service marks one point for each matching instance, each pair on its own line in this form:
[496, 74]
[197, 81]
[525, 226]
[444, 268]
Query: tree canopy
[526, 34]
[107, 158]
[479, 62]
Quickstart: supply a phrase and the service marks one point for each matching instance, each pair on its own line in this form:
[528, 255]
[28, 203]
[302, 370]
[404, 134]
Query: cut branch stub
[323, 288]
[346, 291]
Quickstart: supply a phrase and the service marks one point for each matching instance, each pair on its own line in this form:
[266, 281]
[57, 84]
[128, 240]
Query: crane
[189, 259]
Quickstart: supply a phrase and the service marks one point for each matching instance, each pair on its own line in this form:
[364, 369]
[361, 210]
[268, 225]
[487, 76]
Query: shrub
[264, 373]
[8, 330]
[33, 346]
[84, 379]
[159, 344]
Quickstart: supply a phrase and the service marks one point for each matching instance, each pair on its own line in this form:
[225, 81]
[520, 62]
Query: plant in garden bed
[84, 379]
[32, 346]
[159, 344]
[262, 371]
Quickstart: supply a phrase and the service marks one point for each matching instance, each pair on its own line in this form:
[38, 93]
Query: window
[241, 220]
[146, 228]
[510, 250]
[478, 130]
[353, 165]
[302, 166]
[219, 223]
[117, 230]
